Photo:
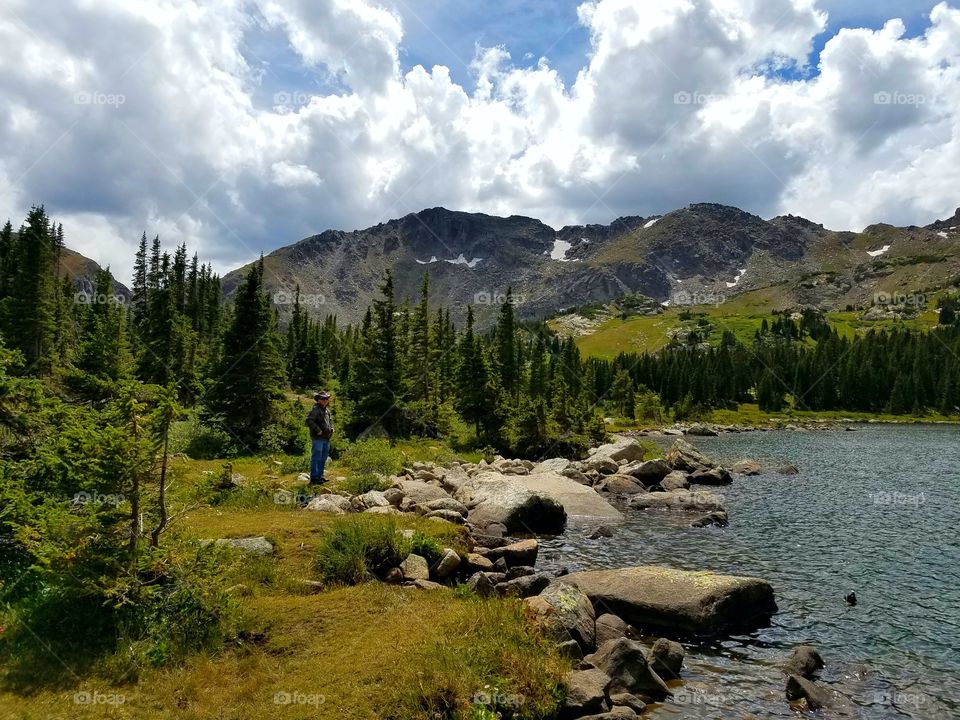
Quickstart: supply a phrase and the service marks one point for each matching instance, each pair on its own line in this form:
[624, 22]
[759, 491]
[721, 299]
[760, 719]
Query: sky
[239, 126]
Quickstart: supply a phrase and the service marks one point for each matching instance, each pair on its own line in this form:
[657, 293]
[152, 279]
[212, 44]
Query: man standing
[321, 430]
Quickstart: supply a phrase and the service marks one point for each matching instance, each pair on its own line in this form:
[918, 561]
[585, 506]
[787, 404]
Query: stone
[447, 503]
[427, 585]
[717, 518]
[451, 516]
[712, 476]
[628, 701]
[495, 498]
[415, 567]
[684, 456]
[258, 545]
[525, 586]
[453, 479]
[799, 688]
[624, 661]
[747, 467]
[788, 469]
[586, 692]
[678, 501]
[446, 565]
[601, 532]
[480, 584]
[701, 431]
[519, 571]
[676, 480]
[394, 576]
[610, 627]
[624, 449]
[570, 649]
[478, 563]
[678, 602]
[648, 472]
[565, 613]
[374, 498]
[523, 552]
[619, 712]
[576, 499]
[303, 478]
[804, 661]
[554, 465]
[335, 504]
[382, 510]
[420, 492]
[619, 484]
[666, 658]
[394, 496]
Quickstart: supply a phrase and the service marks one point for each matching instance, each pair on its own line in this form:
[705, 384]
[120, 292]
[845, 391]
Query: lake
[876, 511]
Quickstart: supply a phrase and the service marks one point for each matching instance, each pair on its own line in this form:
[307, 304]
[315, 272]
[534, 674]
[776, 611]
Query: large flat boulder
[577, 500]
[678, 603]
[693, 501]
[494, 498]
[622, 449]
[421, 492]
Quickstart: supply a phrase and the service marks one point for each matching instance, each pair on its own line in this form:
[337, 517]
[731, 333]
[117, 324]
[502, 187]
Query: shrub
[356, 546]
[287, 430]
[426, 546]
[369, 463]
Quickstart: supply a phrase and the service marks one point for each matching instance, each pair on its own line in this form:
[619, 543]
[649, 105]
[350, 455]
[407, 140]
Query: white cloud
[125, 115]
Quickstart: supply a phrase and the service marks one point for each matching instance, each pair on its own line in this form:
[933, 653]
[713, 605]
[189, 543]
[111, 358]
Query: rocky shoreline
[597, 617]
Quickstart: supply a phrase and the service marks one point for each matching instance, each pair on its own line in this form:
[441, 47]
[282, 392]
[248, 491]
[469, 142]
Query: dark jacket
[319, 422]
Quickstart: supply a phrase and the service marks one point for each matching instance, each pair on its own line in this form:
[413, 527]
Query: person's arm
[315, 427]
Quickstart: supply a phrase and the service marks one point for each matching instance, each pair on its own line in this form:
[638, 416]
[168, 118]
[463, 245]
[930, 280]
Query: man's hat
[322, 396]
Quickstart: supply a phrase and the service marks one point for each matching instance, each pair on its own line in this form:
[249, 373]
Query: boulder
[481, 585]
[676, 480]
[451, 516]
[522, 552]
[382, 510]
[415, 567]
[394, 576]
[602, 464]
[601, 532]
[495, 498]
[555, 465]
[678, 501]
[454, 478]
[799, 688]
[445, 503]
[627, 700]
[259, 545]
[684, 456]
[372, 499]
[666, 658]
[624, 449]
[570, 649]
[717, 518]
[336, 504]
[576, 499]
[394, 496]
[624, 661]
[701, 431]
[478, 563]
[747, 467]
[618, 712]
[611, 627]
[620, 485]
[804, 661]
[577, 476]
[565, 613]
[446, 565]
[788, 469]
[519, 571]
[678, 602]
[586, 692]
[420, 492]
[427, 585]
[648, 472]
[712, 476]
[525, 586]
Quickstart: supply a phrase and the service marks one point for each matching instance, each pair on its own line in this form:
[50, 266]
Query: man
[321, 430]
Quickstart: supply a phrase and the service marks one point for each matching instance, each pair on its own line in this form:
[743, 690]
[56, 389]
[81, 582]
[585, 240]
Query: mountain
[83, 271]
[703, 253]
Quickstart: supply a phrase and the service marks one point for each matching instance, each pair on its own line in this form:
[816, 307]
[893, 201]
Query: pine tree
[29, 311]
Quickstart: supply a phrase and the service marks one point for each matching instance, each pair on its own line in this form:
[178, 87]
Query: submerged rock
[717, 518]
[804, 661]
[747, 467]
[679, 501]
[666, 658]
[624, 661]
[799, 688]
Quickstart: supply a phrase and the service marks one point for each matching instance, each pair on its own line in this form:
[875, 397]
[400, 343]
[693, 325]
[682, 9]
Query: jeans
[319, 452]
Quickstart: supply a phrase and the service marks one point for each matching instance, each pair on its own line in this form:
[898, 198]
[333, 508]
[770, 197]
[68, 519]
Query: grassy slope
[361, 652]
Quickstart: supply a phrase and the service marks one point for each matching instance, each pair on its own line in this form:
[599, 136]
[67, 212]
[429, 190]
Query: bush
[356, 546]
[287, 431]
[426, 546]
[199, 441]
[369, 463]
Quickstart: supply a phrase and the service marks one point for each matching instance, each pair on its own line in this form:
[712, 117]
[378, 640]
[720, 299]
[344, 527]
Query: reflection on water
[875, 511]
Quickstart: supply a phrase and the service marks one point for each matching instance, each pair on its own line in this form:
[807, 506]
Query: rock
[576, 499]
[303, 478]
[678, 501]
[554, 465]
[394, 576]
[713, 476]
[420, 492]
[648, 472]
[259, 545]
[717, 518]
[500, 566]
[701, 431]
[602, 465]
[336, 504]
[494, 498]
[628, 701]
[676, 480]
[447, 503]
[446, 565]
[570, 649]
[618, 712]
[525, 586]
[624, 661]
[427, 585]
[415, 567]
[804, 661]
[611, 627]
[747, 467]
[374, 498]
[851, 598]
[382, 510]
[565, 613]
[788, 469]
[625, 449]
[799, 688]
[480, 584]
[601, 532]
[453, 479]
[586, 692]
[478, 563]
[666, 658]
[577, 476]
[684, 456]
[451, 516]
[523, 552]
[678, 602]
[394, 496]
[620, 485]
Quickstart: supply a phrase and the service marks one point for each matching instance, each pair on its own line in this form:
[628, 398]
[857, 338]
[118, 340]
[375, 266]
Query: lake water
[875, 511]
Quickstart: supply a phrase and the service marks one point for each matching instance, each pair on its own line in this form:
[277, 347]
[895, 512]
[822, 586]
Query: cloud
[132, 115]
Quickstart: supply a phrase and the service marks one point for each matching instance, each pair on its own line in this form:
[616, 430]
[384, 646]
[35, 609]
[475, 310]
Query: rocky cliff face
[703, 253]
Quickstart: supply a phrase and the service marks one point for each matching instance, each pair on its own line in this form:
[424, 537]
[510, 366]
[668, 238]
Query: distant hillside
[83, 271]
